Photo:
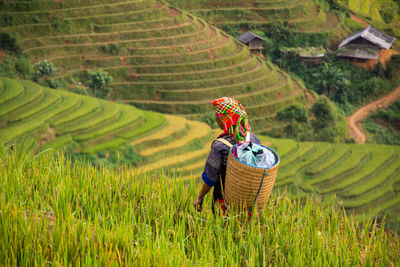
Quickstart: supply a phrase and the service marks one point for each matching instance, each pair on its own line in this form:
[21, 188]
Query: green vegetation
[321, 122]
[295, 115]
[58, 119]
[159, 57]
[362, 177]
[382, 14]
[383, 126]
[306, 15]
[347, 85]
[9, 44]
[93, 129]
[54, 212]
[306, 51]
[99, 83]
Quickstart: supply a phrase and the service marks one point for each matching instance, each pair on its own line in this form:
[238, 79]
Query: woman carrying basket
[232, 119]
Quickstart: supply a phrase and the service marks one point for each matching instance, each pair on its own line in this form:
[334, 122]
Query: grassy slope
[370, 11]
[304, 16]
[161, 58]
[180, 146]
[53, 213]
[363, 178]
[53, 119]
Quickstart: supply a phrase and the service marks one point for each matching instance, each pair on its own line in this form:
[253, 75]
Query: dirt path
[354, 121]
[363, 22]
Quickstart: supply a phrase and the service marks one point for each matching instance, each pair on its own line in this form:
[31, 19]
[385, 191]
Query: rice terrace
[109, 119]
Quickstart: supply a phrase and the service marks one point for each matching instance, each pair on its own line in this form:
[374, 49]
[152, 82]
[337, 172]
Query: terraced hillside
[304, 15]
[364, 178]
[45, 118]
[160, 58]
[383, 14]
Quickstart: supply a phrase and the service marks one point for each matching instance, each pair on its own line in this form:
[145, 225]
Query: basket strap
[259, 188]
[226, 142]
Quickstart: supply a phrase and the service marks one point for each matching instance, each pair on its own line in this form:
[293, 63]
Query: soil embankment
[354, 121]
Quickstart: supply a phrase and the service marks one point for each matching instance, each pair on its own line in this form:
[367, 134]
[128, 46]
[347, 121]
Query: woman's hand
[198, 203]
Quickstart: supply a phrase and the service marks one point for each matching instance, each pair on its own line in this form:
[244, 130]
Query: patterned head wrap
[233, 116]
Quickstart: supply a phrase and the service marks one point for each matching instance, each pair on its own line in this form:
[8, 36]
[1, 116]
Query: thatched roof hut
[365, 44]
[253, 41]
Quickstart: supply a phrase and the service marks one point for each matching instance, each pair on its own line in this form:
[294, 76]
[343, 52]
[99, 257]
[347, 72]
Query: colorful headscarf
[233, 116]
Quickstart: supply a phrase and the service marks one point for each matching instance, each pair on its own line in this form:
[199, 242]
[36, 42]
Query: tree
[9, 43]
[393, 67]
[324, 121]
[99, 83]
[323, 112]
[333, 82]
[43, 69]
[294, 115]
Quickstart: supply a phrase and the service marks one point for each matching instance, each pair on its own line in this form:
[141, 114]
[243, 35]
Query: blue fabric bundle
[255, 155]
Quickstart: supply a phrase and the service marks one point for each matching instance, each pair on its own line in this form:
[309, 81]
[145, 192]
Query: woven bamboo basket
[246, 186]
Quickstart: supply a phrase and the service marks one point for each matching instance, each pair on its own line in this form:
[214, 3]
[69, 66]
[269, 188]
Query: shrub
[6, 67]
[379, 70]
[43, 69]
[295, 115]
[374, 86]
[99, 83]
[323, 112]
[125, 156]
[333, 82]
[112, 49]
[23, 66]
[393, 67]
[326, 123]
[80, 89]
[9, 43]
[7, 19]
[389, 11]
[54, 84]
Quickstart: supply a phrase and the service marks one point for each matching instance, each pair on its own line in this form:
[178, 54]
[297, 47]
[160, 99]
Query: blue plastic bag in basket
[255, 155]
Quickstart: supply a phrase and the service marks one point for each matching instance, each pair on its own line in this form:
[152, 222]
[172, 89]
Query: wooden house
[312, 56]
[253, 41]
[364, 45]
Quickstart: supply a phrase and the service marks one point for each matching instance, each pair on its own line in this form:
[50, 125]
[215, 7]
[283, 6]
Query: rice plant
[56, 212]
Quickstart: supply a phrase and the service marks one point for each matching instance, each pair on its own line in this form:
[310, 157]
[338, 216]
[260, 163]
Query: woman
[232, 119]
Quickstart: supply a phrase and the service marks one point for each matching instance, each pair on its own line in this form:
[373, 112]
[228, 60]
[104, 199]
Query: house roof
[373, 35]
[359, 51]
[248, 36]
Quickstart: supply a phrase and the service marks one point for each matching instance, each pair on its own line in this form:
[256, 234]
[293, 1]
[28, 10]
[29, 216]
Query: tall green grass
[56, 212]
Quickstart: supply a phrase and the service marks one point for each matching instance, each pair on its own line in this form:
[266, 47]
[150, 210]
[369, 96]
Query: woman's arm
[198, 202]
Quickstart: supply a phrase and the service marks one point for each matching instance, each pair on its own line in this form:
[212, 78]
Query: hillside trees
[43, 69]
[322, 122]
[384, 125]
[99, 83]
[389, 11]
[393, 68]
[333, 82]
[9, 44]
[296, 116]
[325, 120]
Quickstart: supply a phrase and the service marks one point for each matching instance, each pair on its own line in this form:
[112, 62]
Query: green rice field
[54, 212]
[301, 16]
[161, 58]
[364, 178]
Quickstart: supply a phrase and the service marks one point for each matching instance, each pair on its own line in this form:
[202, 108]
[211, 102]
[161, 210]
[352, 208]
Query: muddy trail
[354, 121]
